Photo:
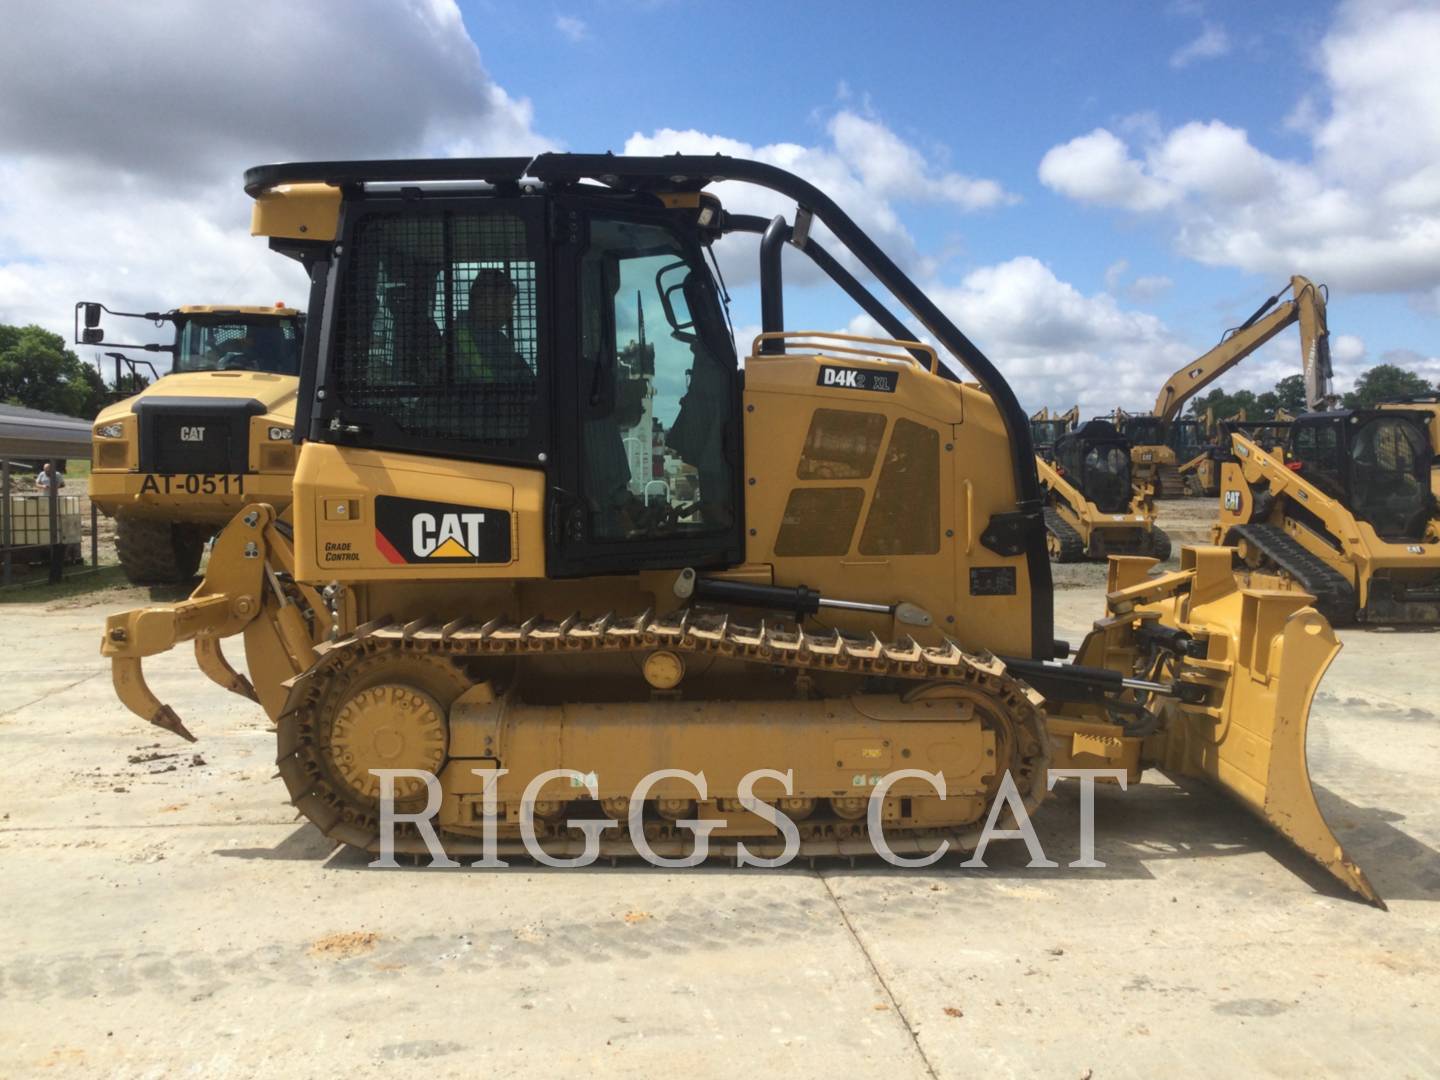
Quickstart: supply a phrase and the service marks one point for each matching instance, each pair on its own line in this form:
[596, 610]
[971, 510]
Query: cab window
[656, 387]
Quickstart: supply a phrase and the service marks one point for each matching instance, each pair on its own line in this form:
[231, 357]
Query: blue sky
[1093, 192]
[986, 89]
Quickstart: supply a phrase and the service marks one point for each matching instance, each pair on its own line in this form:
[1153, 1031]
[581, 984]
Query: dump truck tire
[158, 552]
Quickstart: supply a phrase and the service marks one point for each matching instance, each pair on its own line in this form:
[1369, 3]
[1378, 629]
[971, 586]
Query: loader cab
[1376, 462]
[575, 332]
[1096, 459]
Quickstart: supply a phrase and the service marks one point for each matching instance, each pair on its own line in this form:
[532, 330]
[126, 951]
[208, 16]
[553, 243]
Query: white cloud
[1147, 287]
[865, 167]
[571, 28]
[1212, 42]
[1427, 367]
[1058, 346]
[893, 168]
[124, 131]
[1098, 168]
[1362, 213]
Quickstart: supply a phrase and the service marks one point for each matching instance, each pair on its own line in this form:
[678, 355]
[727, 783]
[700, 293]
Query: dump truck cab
[176, 460]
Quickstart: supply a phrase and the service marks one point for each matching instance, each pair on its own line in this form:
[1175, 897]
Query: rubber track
[1334, 596]
[1072, 548]
[689, 631]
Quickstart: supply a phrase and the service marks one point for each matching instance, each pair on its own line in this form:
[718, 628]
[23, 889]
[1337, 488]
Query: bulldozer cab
[447, 342]
[1376, 462]
[1144, 430]
[1186, 438]
[1096, 459]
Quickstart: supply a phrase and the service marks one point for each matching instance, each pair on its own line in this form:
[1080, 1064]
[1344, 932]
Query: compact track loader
[174, 462]
[1092, 508]
[1345, 512]
[528, 536]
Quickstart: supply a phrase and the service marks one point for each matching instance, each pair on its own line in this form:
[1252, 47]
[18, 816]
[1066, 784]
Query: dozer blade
[1266, 654]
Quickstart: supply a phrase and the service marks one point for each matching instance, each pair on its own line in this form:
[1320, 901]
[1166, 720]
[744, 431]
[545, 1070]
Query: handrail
[799, 337]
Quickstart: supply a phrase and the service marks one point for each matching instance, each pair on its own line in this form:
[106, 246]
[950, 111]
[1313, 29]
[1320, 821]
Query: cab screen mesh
[436, 327]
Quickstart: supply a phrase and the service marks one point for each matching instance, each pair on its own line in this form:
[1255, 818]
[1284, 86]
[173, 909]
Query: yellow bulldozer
[175, 461]
[1345, 511]
[548, 558]
[1093, 506]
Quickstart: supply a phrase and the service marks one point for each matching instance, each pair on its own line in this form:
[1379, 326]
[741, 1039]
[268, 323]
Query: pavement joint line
[875, 971]
[49, 694]
[159, 825]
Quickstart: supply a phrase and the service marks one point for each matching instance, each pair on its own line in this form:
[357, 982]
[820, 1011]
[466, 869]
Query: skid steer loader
[1092, 508]
[523, 542]
[1345, 512]
[174, 462]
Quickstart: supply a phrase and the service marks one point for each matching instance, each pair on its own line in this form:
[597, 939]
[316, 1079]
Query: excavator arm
[1307, 305]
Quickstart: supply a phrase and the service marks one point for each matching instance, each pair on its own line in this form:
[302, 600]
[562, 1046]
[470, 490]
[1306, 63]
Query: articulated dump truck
[529, 533]
[174, 462]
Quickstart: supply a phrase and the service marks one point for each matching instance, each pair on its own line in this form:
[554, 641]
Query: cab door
[648, 423]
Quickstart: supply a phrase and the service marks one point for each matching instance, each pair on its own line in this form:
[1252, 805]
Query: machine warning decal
[420, 531]
[846, 378]
[992, 581]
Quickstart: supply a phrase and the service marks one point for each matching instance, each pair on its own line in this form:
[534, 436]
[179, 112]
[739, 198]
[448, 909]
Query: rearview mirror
[92, 316]
[92, 335]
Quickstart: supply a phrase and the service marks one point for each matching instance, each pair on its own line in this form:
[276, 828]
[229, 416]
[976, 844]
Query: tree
[39, 372]
[1291, 392]
[1386, 382]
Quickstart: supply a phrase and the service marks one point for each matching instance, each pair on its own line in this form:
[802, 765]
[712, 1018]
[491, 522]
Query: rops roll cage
[1013, 533]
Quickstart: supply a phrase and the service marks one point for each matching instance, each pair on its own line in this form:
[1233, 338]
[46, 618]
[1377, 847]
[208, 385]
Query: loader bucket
[1265, 654]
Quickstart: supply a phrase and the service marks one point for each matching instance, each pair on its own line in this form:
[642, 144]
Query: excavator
[175, 461]
[852, 585]
[1046, 428]
[1093, 509]
[1168, 447]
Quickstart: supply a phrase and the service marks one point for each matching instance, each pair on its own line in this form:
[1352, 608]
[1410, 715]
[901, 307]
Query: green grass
[78, 580]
